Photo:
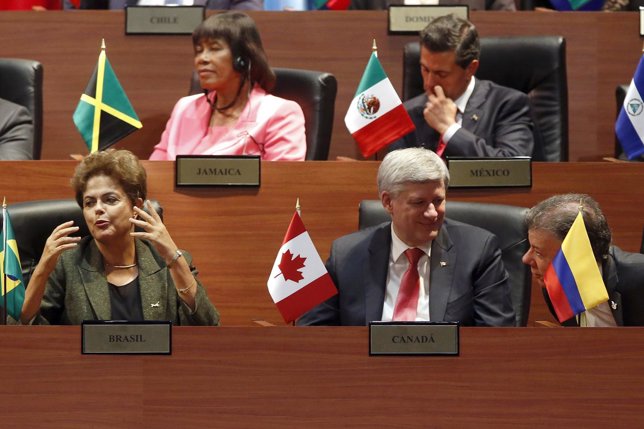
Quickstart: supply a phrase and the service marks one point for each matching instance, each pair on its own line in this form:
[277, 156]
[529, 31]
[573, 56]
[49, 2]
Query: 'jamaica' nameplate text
[218, 170]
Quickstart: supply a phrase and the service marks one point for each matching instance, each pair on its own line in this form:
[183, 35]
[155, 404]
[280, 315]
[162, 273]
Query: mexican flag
[376, 116]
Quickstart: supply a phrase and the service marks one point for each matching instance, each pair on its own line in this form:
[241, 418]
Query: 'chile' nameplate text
[162, 19]
[122, 337]
[490, 172]
[218, 170]
[413, 338]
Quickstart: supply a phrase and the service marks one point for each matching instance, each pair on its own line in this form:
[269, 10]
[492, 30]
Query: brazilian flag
[14, 288]
[104, 114]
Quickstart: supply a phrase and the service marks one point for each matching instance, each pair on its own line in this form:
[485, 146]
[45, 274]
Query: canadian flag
[299, 280]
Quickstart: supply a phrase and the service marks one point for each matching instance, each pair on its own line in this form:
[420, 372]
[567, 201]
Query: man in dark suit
[16, 132]
[459, 115]
[623, 272]
[460, 272]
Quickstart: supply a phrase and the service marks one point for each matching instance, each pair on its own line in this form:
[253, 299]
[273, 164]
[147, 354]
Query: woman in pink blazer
[236, 115]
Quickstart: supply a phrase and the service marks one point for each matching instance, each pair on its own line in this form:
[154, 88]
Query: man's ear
[386, 200]
[472, 68]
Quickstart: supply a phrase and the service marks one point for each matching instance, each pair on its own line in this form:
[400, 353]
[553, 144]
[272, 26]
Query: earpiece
[240, 64]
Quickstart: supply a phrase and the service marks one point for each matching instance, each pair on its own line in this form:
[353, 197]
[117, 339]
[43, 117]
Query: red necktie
[407, 299]
[441, 147]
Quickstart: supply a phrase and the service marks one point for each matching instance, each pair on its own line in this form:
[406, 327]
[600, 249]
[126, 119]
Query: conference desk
[285, 377]
[602, 52]
[234, 234]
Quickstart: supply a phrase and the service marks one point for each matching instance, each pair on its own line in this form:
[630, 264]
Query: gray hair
[557, 214]
[411, 165]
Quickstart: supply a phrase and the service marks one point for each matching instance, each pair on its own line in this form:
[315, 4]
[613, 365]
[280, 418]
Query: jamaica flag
[104, 114]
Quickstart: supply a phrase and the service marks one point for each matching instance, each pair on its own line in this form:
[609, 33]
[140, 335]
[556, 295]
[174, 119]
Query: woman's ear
[139, 204]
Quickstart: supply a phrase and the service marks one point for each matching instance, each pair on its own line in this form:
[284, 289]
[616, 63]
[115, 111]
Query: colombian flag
[104, 114]
[13, 291]
[573, 280]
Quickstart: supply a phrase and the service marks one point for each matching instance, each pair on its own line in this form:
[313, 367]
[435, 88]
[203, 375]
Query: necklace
[122, 267]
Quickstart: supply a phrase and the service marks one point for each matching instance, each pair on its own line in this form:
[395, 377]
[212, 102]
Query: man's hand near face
[440, 111]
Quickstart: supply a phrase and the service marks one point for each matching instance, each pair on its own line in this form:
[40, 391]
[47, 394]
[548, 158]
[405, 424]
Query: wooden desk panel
[603, 50]
[323, 377]
[234, 234]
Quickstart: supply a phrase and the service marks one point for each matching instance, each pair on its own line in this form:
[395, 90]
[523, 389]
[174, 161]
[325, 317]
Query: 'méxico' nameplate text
[489, 172]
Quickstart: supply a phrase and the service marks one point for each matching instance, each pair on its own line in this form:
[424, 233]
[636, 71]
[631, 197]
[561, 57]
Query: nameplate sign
[413, 338]
[490, 172]
[162, 19]
[412, 19]
[118, 337]
[218, 170]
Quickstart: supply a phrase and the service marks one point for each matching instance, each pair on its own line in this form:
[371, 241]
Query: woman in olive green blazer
[117, 272]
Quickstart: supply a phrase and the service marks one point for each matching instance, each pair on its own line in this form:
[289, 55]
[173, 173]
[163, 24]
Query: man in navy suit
[459, 115]
[461, 273]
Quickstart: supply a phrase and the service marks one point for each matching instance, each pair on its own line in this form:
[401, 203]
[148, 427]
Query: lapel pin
[443, 263]
[475, 117]
[613, 305]
[156, 304]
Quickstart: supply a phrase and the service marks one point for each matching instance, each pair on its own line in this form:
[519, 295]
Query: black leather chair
[21, 83]
[535, 65]
[34, 221]
[315, 92]
[506, 222]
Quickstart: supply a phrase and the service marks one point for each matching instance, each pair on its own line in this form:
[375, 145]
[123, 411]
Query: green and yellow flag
[12, 288]
[104, 114]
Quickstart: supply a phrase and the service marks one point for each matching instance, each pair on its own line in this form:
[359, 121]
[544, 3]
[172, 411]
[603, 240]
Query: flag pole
[298, 209]
[4, 258]
[374, 48]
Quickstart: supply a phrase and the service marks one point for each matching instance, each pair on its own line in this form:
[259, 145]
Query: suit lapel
[614, 297]
[153, 287]
[375, 273]
[152, 284]
[442, 266]
[95, 283]
[474, 112]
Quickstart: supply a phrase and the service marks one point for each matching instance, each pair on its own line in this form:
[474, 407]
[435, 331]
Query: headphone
[240, 64]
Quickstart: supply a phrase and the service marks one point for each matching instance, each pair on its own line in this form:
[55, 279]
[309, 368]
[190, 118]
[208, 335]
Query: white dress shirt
[398, 264]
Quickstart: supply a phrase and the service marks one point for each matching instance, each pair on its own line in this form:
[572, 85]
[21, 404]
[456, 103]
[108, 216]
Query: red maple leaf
[290, 266]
